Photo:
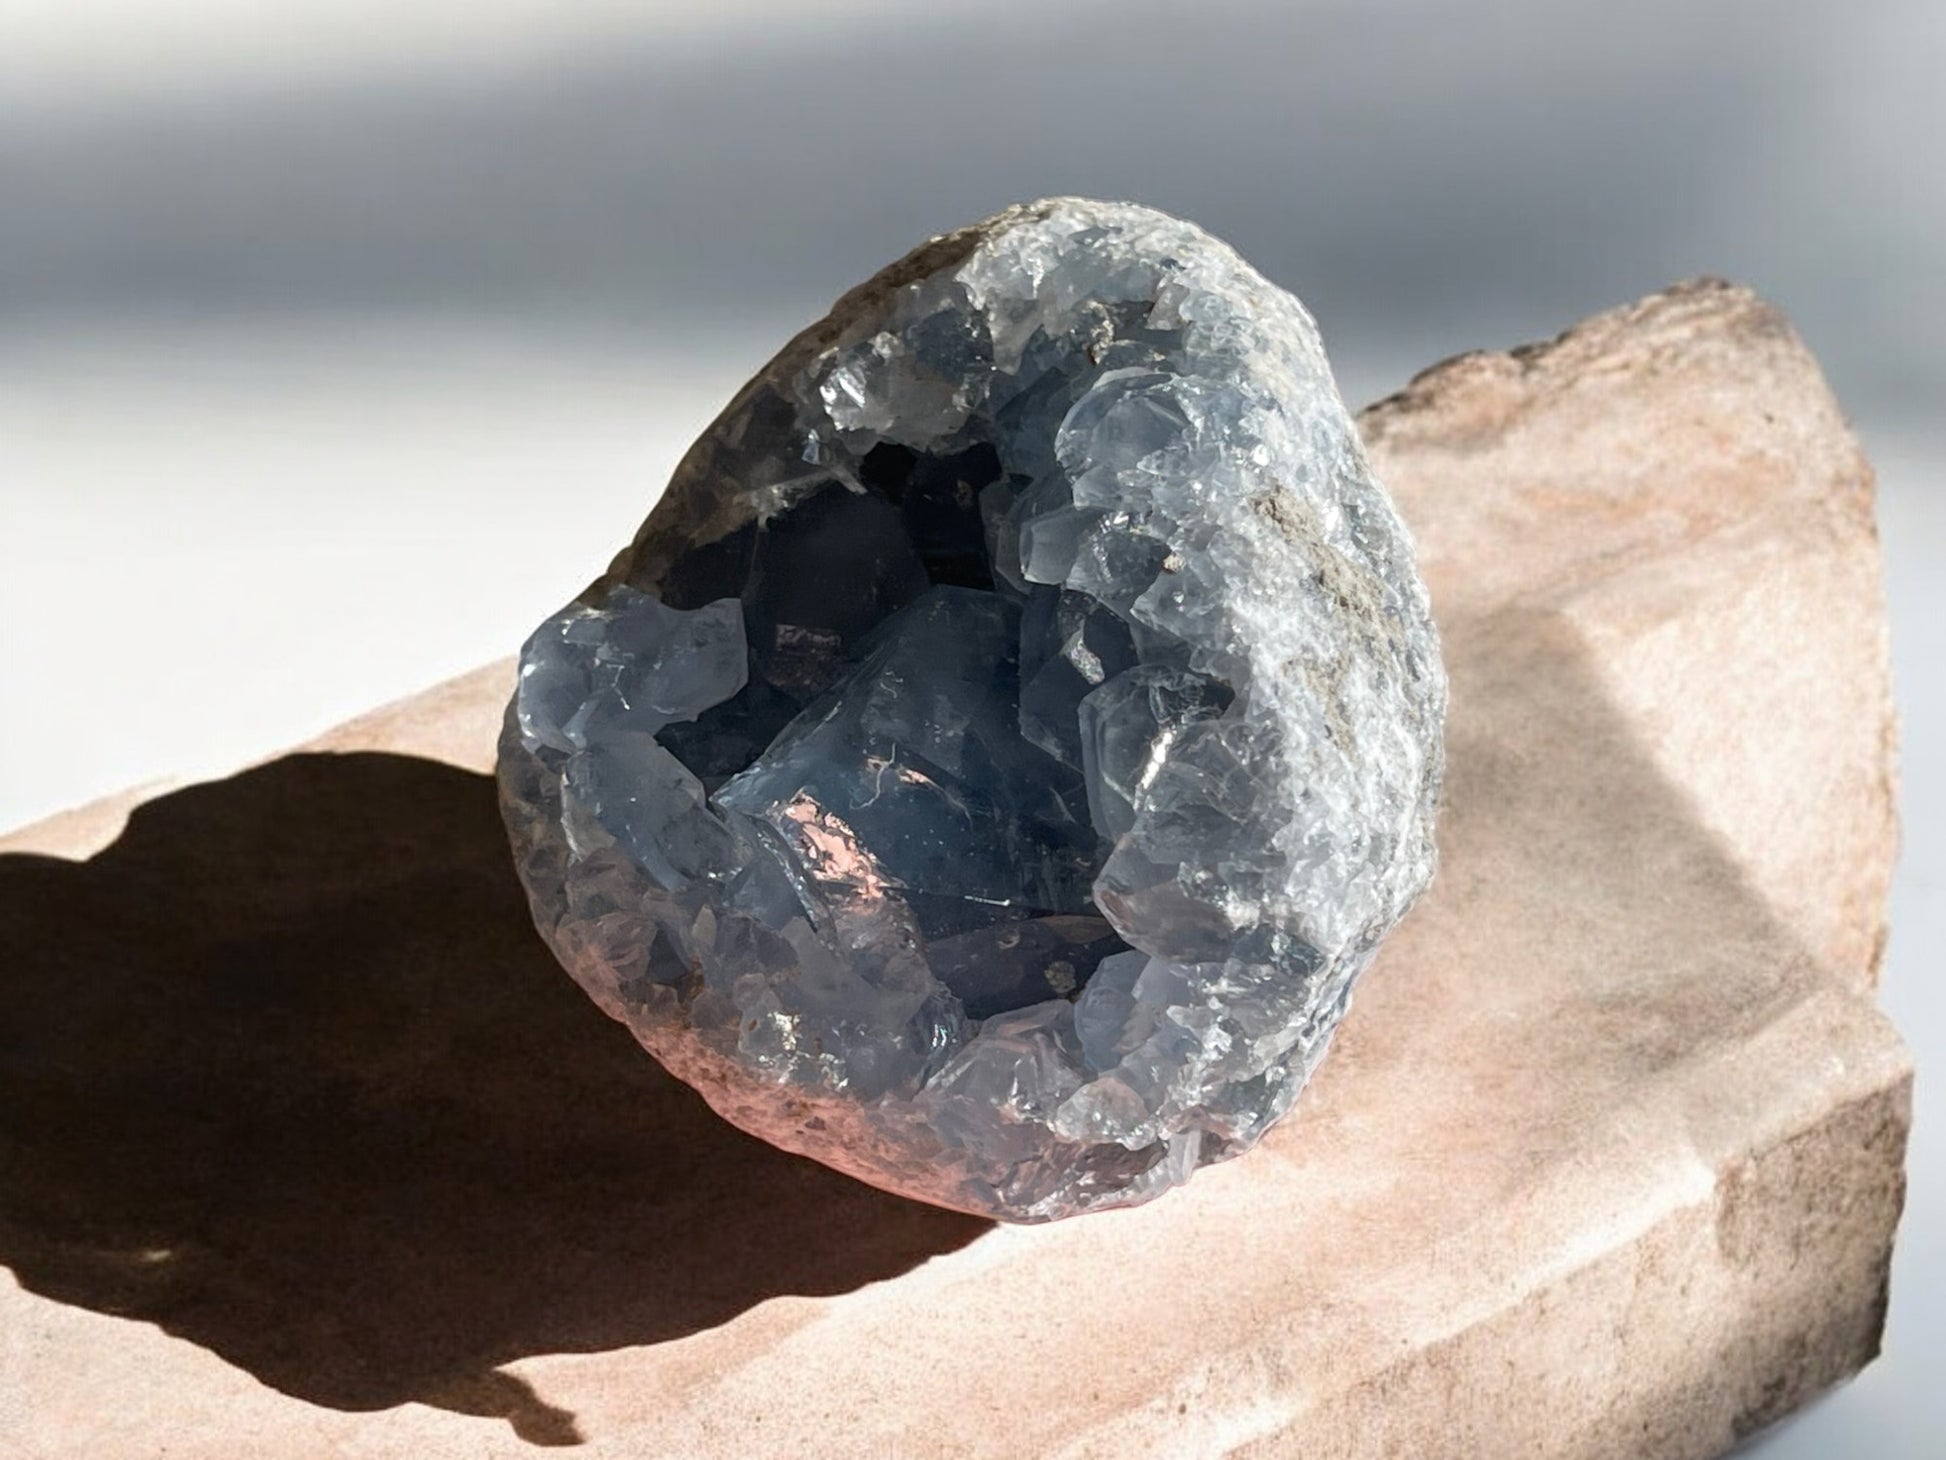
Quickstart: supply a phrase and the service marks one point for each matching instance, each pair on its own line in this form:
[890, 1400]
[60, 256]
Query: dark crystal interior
[925, 692]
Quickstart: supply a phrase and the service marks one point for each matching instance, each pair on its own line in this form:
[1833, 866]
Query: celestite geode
[1010, 735]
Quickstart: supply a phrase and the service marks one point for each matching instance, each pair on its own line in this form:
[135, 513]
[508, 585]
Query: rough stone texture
[1010, 736]
[1606, 1163]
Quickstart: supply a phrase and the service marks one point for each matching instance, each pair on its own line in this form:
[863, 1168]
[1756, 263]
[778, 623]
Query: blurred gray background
[341, 341]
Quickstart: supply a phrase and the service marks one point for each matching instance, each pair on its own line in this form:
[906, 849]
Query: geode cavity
[1011, 733]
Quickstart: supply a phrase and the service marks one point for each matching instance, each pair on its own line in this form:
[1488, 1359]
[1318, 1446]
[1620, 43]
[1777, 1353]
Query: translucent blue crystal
[1004, 745]
[919, 751]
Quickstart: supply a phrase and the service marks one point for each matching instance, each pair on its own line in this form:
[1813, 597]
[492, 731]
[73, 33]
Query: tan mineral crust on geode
[1606, 1162]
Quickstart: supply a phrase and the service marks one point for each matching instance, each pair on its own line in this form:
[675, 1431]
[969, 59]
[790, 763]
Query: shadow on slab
[287, 1072]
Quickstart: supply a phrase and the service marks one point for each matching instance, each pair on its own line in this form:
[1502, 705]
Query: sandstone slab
[1608, 1159]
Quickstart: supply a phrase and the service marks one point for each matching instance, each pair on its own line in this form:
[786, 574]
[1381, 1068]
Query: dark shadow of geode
[287, 1072]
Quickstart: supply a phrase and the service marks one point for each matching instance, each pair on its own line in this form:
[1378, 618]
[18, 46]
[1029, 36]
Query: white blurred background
[341, 340]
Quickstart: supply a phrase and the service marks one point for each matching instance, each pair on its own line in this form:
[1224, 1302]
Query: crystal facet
[1011, 734]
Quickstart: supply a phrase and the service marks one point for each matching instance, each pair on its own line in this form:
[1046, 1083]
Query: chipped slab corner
[1609, 1159]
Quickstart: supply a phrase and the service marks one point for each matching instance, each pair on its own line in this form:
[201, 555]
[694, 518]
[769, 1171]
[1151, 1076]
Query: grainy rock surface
[1606, 1162]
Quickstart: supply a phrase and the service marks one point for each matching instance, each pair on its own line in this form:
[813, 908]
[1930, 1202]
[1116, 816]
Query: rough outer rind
[1288, 577]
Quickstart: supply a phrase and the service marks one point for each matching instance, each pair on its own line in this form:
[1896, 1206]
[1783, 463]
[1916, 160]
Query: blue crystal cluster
[1010, 735]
